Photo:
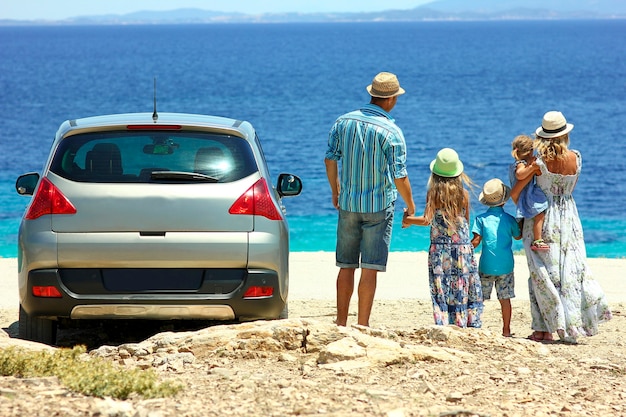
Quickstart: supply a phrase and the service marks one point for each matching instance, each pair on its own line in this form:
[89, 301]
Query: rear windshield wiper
[182, 176]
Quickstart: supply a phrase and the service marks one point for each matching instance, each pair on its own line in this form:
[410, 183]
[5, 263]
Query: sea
[472, 86]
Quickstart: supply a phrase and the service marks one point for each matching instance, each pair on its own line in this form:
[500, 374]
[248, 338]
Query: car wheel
[36, 329]
[285, 313]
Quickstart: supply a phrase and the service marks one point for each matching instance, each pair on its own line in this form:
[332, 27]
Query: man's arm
[332, 172]
[404, 188]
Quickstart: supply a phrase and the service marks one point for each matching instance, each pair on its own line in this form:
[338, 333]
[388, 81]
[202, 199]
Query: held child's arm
[523, 171]
[476, 240]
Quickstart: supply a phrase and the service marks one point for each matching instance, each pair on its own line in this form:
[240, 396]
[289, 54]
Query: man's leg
[345, 288]
[377, 229]
[367, 289]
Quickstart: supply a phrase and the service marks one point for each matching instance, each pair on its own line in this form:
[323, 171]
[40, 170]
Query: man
[373, 154]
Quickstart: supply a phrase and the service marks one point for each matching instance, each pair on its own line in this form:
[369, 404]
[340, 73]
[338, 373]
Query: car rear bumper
[153, 312]
[205, 294]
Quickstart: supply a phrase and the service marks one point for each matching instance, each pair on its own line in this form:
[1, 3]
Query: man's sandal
[539, 246]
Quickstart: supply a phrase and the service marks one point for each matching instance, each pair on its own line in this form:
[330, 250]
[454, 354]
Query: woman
[564, 297]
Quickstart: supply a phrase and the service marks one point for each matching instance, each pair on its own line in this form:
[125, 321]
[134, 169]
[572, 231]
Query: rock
[309, 367]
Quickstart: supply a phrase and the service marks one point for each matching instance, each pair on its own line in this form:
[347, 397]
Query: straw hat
[553, 125]
[447, 163]
[385, 85]
[494, 193]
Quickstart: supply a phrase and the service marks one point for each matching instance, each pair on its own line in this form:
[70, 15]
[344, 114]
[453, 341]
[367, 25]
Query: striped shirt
[372, 151]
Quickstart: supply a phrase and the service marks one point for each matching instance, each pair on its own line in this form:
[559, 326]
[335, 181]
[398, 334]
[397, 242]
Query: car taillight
[256, 201]
[48, 291]
[259, 292]
[49, 200]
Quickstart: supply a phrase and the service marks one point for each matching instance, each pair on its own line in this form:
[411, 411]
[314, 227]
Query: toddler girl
[532, 202]
[455, 287]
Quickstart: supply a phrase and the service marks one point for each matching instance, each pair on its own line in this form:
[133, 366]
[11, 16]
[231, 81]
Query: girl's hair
[553, 148]
[522, 147]
[448, 195]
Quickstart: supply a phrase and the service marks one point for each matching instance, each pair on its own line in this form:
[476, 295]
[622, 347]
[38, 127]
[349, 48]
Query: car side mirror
[27, 183]
[289, 185]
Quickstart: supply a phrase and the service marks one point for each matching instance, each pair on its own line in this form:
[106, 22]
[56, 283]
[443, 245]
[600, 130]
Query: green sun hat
[447, 163]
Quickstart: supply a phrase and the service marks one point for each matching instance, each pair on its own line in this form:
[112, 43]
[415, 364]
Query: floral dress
[564, 297]
[455, 287]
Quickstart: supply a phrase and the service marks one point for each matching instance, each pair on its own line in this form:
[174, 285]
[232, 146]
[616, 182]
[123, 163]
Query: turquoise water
[317, 233]
[311, 233]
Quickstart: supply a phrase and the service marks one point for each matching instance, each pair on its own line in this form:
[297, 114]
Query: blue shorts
[363, 239]
[505, 285]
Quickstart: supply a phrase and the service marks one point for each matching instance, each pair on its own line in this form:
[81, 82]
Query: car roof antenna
[155, 116]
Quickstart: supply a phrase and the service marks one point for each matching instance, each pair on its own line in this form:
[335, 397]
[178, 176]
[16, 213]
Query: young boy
[496, 229]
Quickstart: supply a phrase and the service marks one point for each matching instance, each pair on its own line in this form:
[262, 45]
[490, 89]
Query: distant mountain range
[435, 10]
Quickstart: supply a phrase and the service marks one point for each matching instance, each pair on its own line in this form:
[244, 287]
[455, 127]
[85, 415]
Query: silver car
[146, 216]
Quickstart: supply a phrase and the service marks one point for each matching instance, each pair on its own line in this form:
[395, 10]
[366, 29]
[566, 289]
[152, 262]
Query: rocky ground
[306, 366]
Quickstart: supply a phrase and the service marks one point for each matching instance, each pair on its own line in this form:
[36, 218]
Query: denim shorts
[363, 239]
[504, 284]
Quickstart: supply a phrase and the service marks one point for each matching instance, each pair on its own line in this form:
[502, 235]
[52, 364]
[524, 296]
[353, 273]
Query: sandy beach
[313, 274]
[484, 374]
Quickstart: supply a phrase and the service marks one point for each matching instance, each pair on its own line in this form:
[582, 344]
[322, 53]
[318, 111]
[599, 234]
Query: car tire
[285, 313]
[37, 329]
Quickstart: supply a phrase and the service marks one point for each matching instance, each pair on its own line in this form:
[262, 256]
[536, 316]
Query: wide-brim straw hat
[494, 193]
[553, 125]
[385, 85]
[447, 163]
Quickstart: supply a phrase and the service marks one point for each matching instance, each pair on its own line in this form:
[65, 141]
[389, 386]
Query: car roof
[187, 121]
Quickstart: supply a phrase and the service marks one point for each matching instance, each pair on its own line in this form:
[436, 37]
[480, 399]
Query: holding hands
[410, 219]
[405, 216]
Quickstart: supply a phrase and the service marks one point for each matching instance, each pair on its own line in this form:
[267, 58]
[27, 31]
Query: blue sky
[60, 9]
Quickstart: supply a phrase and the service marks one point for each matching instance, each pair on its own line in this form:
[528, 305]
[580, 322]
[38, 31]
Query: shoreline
[312, 276]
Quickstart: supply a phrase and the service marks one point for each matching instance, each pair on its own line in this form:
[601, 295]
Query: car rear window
[152, 156]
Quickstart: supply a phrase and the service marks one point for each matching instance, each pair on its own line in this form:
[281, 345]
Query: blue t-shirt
[497, 229]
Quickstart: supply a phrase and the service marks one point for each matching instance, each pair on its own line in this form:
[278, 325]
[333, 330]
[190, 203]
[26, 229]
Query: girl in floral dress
[452, 270]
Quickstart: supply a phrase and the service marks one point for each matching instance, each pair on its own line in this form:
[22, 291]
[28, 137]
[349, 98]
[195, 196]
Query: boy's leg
[505, 304]
[505, 290]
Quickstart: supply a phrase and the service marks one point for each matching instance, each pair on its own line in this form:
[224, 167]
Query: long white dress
[564, 297]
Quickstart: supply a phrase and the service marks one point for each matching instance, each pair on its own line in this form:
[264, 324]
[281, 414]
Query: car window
[153, 156]
[258, 144]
